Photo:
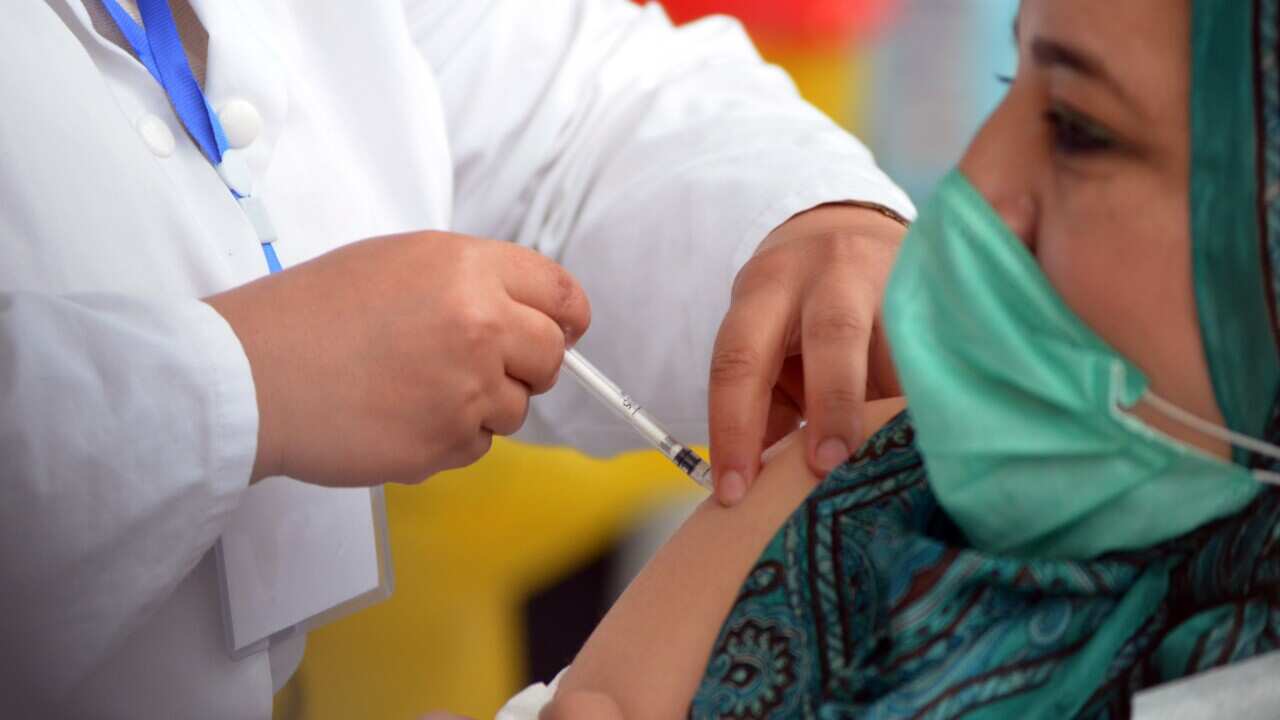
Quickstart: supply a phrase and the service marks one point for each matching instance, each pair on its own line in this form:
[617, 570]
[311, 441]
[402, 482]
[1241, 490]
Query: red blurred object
[816, 22]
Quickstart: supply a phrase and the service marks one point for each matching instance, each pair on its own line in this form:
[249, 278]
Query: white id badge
[295, 556]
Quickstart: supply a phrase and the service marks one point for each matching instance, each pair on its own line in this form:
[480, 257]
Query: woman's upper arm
[649, 652]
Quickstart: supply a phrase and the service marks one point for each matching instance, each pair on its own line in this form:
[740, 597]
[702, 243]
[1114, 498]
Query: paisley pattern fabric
[869, 604]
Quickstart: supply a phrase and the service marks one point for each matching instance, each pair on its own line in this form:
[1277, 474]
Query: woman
[1064, 517]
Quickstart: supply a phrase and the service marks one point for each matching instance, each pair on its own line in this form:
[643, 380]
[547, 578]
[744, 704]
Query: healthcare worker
[151, 368]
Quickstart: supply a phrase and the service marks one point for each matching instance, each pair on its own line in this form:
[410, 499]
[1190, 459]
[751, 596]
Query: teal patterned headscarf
[1235, 211]
[869, 602]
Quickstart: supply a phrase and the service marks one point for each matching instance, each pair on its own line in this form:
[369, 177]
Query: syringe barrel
[598, 384]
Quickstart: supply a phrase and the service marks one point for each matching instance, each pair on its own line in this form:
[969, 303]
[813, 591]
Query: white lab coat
[649, 161]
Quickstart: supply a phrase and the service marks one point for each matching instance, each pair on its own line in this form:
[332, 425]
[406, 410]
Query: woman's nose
[1004, 161]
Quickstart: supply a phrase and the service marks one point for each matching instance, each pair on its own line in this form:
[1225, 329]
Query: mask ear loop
[1240, 440]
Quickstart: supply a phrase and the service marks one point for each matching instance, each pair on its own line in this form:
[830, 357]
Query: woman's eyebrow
[1048, 53]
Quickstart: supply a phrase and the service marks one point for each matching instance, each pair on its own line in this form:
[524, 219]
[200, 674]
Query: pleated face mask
[1023, 413]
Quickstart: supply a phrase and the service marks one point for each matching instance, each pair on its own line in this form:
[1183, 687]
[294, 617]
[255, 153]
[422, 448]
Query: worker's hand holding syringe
[393, 358]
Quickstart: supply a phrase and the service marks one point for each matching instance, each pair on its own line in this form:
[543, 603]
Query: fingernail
[732, 488]
[832, 452]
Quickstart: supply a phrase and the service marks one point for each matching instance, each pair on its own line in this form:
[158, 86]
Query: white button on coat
[241, 122]
[157, 135]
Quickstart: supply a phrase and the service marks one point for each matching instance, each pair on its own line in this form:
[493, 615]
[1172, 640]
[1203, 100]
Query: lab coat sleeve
[649, 160]
[128, 430]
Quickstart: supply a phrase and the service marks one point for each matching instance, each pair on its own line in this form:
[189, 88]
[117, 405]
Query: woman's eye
[1075, 134]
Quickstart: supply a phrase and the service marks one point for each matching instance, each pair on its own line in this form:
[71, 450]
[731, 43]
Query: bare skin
[648, 653]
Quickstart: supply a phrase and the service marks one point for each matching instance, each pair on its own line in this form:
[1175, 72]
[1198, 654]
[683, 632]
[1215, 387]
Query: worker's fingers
[835, 331]
[882, 377]
[790, 382]
[509, 405]
[533, 348]
[547, 287]
[784, 418]
[463, 452]
[786, 409]
[478, 447]
[745, 362]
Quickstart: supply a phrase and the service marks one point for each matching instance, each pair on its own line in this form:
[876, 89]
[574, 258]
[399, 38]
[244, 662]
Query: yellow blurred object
[469, 547]
[832, 79]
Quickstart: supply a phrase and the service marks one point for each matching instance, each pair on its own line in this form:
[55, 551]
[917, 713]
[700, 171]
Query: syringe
[607, 392]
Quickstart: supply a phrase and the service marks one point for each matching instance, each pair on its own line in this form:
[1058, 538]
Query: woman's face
[1087, 159]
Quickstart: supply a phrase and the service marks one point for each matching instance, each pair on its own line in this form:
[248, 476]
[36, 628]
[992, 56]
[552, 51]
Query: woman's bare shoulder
[649, 652]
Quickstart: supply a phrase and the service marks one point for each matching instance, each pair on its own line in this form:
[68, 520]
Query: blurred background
[502, 569]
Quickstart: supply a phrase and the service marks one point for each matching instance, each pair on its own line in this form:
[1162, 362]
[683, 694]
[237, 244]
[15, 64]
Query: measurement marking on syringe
[687, 460]
[631, 406]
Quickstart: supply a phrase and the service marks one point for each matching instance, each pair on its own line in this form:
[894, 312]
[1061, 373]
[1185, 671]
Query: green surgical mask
[1022, 412]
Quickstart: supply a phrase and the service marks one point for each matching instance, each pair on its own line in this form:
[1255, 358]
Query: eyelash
[1073, 133]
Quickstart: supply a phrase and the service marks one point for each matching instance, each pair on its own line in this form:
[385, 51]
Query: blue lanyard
[159, 48]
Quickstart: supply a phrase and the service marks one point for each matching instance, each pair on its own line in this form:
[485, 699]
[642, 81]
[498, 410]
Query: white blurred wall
[933, 81]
